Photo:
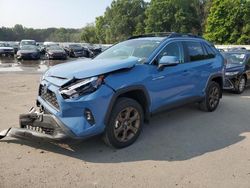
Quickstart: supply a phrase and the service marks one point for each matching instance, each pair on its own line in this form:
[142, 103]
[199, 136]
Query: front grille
[44, 130]
[48, 96]
[8, 50]
[228, 84]
[57, 54]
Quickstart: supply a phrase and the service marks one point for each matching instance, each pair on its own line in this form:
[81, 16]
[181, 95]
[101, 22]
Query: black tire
[212, 98]
[240, 85]
[118, 126]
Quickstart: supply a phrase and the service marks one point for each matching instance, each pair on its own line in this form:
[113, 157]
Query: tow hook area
[37, 125]
[4, 133]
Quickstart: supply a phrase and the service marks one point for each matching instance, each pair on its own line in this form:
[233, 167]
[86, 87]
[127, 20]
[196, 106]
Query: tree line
[219, 21]
[18, 32]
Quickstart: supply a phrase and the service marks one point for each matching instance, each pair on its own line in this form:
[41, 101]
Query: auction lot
[182, 148]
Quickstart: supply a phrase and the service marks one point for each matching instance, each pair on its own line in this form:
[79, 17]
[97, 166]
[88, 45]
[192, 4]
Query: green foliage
[89, 34]
[18, 32]
[221, 21]
[121, 20]
[228, 22]
[173, 15]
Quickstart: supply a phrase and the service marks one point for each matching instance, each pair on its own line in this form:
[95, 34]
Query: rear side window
[195, 51]
[210, 53]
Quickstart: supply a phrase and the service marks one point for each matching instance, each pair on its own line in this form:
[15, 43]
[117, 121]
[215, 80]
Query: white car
[6, 50]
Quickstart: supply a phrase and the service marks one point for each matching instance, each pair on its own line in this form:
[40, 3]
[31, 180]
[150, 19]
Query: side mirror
[168, 61]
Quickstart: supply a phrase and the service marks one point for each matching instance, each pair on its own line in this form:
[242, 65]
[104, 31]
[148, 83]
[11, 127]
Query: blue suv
[117, 91]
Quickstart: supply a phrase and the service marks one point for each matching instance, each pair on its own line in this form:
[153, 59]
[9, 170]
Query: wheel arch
[218, 78]
[245, 76]
[138, 93]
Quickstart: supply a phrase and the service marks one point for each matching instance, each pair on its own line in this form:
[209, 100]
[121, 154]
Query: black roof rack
[165, 34]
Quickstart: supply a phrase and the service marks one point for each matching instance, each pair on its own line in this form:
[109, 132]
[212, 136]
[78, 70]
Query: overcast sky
[51, 13]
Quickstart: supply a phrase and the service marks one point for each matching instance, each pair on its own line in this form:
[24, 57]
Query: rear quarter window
[194, 51]
[209, 52]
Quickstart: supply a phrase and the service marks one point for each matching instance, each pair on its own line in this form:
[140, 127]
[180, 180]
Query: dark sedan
[55, 52]
[28, 52]
[6, 50]
[237, 74]
[75, 50]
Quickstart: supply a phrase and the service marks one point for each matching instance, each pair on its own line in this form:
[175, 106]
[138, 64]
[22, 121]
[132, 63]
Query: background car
[237, 75]
[27, 42]
[14, 45]
[55, 52]
[6, 50]
[28, 52]
[75, 50]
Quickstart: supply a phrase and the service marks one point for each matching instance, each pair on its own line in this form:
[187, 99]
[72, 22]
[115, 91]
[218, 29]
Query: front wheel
[240, 86]
[125, 123]
[212, 98]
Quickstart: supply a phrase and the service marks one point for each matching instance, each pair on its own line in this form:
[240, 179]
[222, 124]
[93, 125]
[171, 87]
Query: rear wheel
[125, 123]
[212, 98]
[240, 86]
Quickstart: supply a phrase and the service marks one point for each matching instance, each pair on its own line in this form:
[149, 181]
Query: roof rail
[156, 34]
[165, 34]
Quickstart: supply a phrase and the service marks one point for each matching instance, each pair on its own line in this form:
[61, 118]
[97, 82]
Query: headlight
[44, 75]
[232, 73]
[82, 87]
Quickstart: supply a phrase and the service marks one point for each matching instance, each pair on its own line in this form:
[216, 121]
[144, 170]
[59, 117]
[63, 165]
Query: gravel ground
[181, 148]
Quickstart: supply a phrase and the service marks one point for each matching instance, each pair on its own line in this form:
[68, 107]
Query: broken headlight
[81, 87]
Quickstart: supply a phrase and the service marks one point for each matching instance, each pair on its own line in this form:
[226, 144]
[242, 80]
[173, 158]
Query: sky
[51, 13]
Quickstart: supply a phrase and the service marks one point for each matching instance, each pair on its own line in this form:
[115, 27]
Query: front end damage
[39, 126]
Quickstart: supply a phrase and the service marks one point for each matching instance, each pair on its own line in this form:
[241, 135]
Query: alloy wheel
[242, 84]
[127, 124]
[214, 96]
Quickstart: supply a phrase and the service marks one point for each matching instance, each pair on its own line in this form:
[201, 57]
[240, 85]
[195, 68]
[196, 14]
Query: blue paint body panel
[168, 86]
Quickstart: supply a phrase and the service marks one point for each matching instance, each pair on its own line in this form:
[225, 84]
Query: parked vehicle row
[72, 50]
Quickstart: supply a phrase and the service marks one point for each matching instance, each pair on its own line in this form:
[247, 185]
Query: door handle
[158, 78]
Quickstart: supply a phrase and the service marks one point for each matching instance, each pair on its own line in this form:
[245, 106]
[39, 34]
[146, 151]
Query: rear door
[200, 58]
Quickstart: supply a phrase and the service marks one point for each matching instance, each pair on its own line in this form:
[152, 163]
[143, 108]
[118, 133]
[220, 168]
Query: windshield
[28, 43]
[237, 58]
[141, 48]
[75, 46]
[54, 47]
[2, 45]
[29, 47]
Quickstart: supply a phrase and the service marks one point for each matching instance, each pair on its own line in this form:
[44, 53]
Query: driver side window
[172, 49]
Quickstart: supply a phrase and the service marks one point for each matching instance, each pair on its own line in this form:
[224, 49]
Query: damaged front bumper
[41, 126]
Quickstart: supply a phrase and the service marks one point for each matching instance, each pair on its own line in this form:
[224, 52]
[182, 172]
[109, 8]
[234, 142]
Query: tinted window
[195, 51]
[210, 53]
[173, 49]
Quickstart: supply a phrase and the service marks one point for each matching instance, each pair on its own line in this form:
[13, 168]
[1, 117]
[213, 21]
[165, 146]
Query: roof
[163, 35]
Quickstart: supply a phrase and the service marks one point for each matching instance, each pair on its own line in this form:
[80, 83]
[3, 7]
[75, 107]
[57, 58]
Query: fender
[213, 76]
[125, 90]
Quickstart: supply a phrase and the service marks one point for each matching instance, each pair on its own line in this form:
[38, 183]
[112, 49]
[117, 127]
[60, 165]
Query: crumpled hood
[80, 69]
[234, 67]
